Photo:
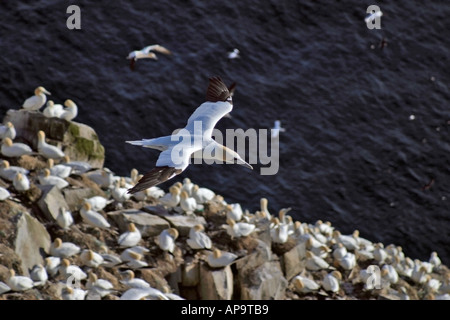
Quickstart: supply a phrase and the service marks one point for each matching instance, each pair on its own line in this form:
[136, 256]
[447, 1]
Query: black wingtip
[217, 90]
[154, 177]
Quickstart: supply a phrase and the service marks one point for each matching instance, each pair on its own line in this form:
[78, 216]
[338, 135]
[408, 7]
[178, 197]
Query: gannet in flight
[146, 53]
[234, 54]
[176, 154]
[277, 129]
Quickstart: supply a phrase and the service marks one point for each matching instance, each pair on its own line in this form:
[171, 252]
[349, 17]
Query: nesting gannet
[135, 261]
[348, 262]
[172, 296]
[331, 281]
[21, 182]
[379, 254]
[234, 54]
[52, 110]
[239, 229]
[7, 131]
[48, 179]
[318, 248]
[127, 254]
[119, 193]
[349, 242]
[198, 239]
[63, 249]
[78, 167]
[37, 101]
[363, 254]
[52, 265]
[64, 218]
[432, 285]
[314, 262]
[131, 237]
[67, 270]
[263, 204]
[419, 274]
[279, 231]
[389, 273]
[187, 186]
[98, 203]
[92, 217]
[59, 170]
[69, 293]
[234, 211]
[195, 136]
[16, 149]
[146, 52]
[202, 195]
[325, 227]
[339, 252]
[110, 259]
[219, 259]
[143, 293]
[275, 131]
[48, 150]
[304, 285]
[130, 281]
[4, 194]
[435, 260]
[188, 204]
[39, 275]
[171, 199]
[97, 288]
[362, 242]
[19, 283]
[166, 239]
[154, 192]
[9, 172]
[70, 112]
[4, 288]
[90, 258]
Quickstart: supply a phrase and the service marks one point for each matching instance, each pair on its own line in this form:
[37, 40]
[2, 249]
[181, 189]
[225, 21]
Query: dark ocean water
[350, 154]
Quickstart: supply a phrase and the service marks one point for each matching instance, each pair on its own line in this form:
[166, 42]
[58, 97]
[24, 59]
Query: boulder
[148, 224]
[264, 283]
[154, 278]
[190, 273]
[51, 201]
[74, 197]
[79, 141]
[293, 261]
[215, 284]
[32, 242]
[260, 255]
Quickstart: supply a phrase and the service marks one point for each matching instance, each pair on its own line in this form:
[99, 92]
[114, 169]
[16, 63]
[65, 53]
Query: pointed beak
[243, 163]
[46, 92]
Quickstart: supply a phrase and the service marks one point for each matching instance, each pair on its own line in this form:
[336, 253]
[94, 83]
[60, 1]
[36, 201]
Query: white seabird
[48, 150]
[90, 258]
[48, 179]
[195, 137]
[219, 259]
[37, 101]
[9, 172]
[67, 270]
[98, 203]
[234, 54]
[78, 167]
[4, 194]
[202, 195]
[19, 283]
[98, 288]
[14, 149]
[7, 131]
[59, 170]
[92, 217]
[304, 285]
[64, 218]
[331, 281]
[130, 281]
[21, 182]
[69, 293]
[70, 112]
[52, 110]
[171, 199]
[63, 249]
[39, 275]
[131, 237]
[52, 265]
[166, 239]
[146, 52]
[275, 131]
[198, 239]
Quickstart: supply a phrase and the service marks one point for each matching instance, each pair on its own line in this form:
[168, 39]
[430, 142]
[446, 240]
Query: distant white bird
[59, 170]
[64, 218]
[146, 52]
[52, 110]
[130, 238]
[98, 203]
[234, 211]
[263, 206]
[198, 239]
[314, 262]
[71, 271]
[14, 149]
[136, 261]
[92, 217]
[275, 131]
[21, 182]
[110, 259]
[48, 150]
[166, 239]
[187, 186]
[63, 249]
[37, 101]
[7, 131]
[304, 285]
[434, 259]
[239, 229]
[119, 193]
[48, 179]
[130, 281]
[234, 54]
[279, 232]
[143, 293]
[98, 288]
[4, 194]
[104, 178]
[69, 293]
[348, 262]
[19, 283]
[78, 167]
[39, 275]
[171, 199]
[176, 155]
[4, 288]
[188, 204]
[70, 112]
[52, 265]
[130, 253]
[202, 195]
[9, 172]
[90, 258]
[219, 259]
[331, 281]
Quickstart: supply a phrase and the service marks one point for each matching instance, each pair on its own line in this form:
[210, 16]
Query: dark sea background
[350, 153]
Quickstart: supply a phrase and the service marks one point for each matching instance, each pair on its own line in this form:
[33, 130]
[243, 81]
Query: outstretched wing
[156, 176]
[157, 48]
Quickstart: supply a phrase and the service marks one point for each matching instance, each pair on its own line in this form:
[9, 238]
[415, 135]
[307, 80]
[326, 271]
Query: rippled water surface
[350, 153]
